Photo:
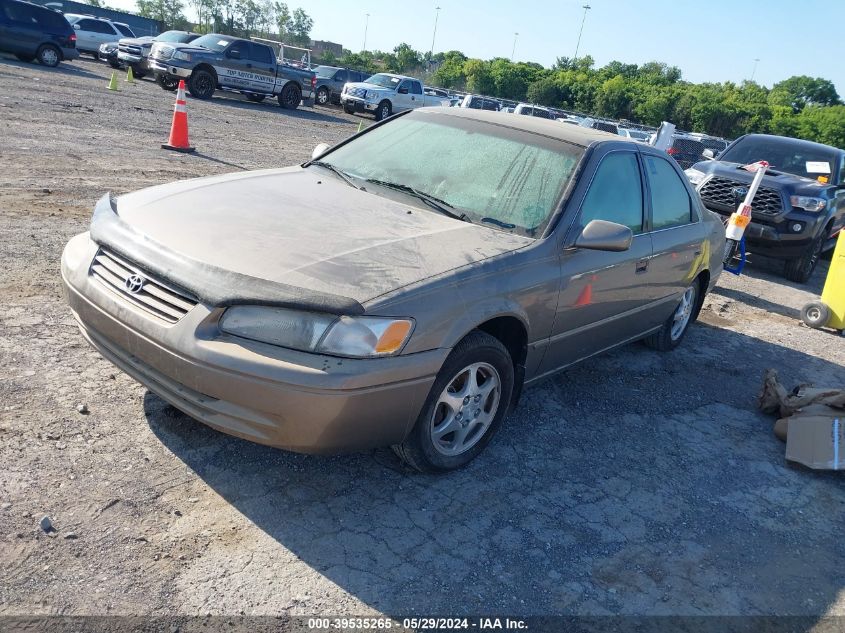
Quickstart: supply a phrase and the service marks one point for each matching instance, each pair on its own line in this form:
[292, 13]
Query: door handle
[642, 266]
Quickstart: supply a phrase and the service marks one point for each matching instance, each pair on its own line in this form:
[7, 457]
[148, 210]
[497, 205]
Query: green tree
[801, 91]
[300, 28]
[479, 79]
[170, 12]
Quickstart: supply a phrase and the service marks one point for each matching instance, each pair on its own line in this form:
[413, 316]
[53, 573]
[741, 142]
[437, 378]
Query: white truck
[385, 93]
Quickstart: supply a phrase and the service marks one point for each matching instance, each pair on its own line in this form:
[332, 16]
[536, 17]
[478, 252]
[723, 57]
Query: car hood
[137, 41]
[369, 86]
[298, 228]
[788, 183]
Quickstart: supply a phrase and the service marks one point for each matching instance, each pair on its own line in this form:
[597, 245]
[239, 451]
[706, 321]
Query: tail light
[672, 151]
[72, 38]
[313, 82]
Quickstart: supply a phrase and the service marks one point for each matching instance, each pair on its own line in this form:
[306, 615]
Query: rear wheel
[167, 82]
[384, 110]
[290, 96]
[255, 98]
[670, 335]
[49, 55]
[465, 407]
[801, 269]
[815, 314]
[202, 84]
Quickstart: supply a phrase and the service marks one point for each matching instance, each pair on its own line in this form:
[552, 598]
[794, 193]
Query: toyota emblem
[134, 283]
[740, 193]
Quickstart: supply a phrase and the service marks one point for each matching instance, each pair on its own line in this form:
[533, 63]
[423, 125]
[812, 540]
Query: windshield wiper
[337, 171]
[435, 203]
[499, 223]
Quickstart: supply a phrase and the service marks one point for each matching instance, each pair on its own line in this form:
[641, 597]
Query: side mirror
[321, 149]
[600, 235]
[708, 154]
[234, 54]
[402, 91]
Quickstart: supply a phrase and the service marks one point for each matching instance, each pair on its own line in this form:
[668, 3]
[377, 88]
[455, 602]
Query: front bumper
[294, 400]
[168, 69]
[137, 61]
[359, 104]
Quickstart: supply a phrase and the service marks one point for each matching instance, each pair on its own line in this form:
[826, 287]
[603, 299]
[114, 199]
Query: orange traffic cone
[179, 127]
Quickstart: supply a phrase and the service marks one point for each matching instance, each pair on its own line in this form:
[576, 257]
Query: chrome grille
[719, 191]
[157, 298]
[357, 92]
[129, 48]
[163, 52]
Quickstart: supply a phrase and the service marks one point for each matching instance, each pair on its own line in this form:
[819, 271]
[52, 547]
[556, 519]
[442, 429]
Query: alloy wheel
[683, 313]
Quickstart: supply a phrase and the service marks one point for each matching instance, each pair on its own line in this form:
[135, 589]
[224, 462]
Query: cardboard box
[817, 442]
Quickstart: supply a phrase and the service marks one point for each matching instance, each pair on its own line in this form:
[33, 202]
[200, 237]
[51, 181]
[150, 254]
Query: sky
[709, 40]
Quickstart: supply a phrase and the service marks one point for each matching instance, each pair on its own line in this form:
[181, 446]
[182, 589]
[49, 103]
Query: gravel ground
[637, 483]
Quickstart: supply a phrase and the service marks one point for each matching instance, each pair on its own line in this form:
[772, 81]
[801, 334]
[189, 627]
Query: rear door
[19, 29]
[678, 239]
[262, 65]
[604, 296]
[339, 79]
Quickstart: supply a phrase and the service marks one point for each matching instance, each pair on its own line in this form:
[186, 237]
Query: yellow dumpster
[830, 311]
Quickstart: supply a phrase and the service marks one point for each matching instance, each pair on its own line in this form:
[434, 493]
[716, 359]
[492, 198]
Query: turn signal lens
[393, 337]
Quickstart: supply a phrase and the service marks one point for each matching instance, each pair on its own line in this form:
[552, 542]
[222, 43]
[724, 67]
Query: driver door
[402, 99]
[604, 296]
[234, 66]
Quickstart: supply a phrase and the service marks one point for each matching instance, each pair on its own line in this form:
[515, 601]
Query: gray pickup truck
[384, 94]
[222, 62]
[330, 82]
[135, 51]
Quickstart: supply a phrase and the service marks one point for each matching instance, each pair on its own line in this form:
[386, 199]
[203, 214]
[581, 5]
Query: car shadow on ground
[619, 486]
[235, 100]
[64, 68]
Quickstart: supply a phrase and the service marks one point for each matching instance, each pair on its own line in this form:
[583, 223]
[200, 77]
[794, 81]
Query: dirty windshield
[212, 42]
[782, 154]
[501, 177]
[385, 81]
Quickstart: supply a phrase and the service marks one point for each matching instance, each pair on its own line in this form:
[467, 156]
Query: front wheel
[348, 108]
[801, 269]
[670, 335]
[290, 96]
[114, 64]
[202, 84]
[384, 110]
[465, 407]
[167, 82]
[49, 55]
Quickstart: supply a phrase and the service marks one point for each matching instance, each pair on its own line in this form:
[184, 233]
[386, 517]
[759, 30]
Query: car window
[96, 26]
[20, 12]
[405, 85]
[261, 54]
[125, 30]
[416, 88]
[671, 204]
[616, 192]
[340, 75]
[241, 47]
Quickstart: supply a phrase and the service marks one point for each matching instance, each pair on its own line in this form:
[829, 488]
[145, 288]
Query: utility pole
[754, 70]
[433, 35]
[366, 24]
[513, 50]
[586, 7]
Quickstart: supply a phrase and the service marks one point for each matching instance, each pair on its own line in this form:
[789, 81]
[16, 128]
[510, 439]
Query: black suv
[31, 31]
[800, 206]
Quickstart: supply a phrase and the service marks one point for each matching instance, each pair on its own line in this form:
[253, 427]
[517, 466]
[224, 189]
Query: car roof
[570, 133]
[798, 141]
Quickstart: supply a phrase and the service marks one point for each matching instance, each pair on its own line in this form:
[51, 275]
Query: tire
[48, 55]
[815, 314]
[672, 332]
[167, 82]
[384, 110]
[202, 84]
[801, 268]
[115, 65]
[323, 96]
[24, 58]
[251, 96]
[290, 96]
[348, 108]
[431, 446]
[138, 74]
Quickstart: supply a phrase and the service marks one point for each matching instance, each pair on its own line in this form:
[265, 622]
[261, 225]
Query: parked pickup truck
[135, 51]
[222, 62]
[383, 94]
[800, 206]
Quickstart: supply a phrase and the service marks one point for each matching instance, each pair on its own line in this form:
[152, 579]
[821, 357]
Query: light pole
[433, 35]
[587, 7]
[366, 24]
[754, 70]
[513, 50]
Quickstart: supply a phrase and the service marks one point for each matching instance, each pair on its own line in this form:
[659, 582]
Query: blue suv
[31, 31]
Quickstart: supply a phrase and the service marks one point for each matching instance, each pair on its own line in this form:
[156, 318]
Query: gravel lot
[637, 483]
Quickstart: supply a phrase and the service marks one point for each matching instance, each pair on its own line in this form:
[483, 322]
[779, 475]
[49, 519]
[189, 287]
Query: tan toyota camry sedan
[401, 287]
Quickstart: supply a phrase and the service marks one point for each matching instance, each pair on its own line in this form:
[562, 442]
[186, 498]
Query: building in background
[320, 48]
[140, 26]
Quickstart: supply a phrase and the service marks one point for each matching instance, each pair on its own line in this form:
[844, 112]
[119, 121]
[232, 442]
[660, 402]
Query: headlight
[185, 57]
[695, 176]
[808, 203]
[360, 337]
